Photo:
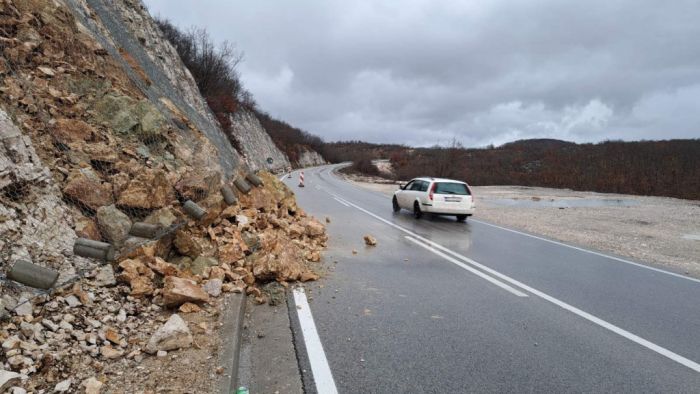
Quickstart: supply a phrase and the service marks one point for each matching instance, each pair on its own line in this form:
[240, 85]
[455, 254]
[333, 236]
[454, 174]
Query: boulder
[174, 334]
[314, 228]
[88, 192]
[177, 291]
[186, 244]
[113, 224]
[148, 190]
[138, 276]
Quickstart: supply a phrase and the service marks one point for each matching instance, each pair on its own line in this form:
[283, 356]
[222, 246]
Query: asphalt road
[447, 307]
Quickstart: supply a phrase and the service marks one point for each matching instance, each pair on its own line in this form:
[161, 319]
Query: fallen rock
[148, 190]
[113, 224]
[213, 287]
[201, 263]
[8, 379]
[163, 217]
[174, 334]
[295, 231]
[63, 386]
[92, 385]
[189, 307]
[138, 276]
[328, 220]
[314, 228]
[105, 276]
[308, 276]
[110, 353]
[24, 306]
[370, 240]
[187, 244]
[87, 228]
[112, 336]
[177, 291]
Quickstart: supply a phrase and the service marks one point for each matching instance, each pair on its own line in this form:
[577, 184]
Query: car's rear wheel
[395, 205]
[461, 218]
[417, 213]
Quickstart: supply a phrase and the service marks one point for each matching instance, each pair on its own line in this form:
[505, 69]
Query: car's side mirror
[401, 186]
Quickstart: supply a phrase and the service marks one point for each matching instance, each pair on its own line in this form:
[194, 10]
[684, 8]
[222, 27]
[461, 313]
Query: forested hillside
[660, 168]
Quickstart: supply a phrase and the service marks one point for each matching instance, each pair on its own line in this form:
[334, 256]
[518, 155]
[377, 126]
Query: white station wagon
[435, 195]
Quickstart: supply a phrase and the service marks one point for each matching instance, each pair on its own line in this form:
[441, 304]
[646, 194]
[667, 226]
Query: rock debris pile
[87, 152]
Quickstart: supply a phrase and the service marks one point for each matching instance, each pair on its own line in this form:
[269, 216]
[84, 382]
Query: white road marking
[468, 268]
[590, 251]
[593, 319]
[314, 349]
[342, 202]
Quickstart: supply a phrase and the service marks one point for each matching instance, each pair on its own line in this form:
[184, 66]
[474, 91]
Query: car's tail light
[432, 190]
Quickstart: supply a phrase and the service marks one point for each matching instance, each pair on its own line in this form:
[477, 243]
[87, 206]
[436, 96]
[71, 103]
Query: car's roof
[425, 178]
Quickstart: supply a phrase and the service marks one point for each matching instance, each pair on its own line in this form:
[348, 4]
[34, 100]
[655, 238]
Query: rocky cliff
[259, 151]
[310, 158]
[102, 128]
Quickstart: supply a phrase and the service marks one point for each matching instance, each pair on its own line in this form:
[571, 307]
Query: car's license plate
[453, 199]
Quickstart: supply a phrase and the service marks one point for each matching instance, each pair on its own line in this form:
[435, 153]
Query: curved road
[447, 307]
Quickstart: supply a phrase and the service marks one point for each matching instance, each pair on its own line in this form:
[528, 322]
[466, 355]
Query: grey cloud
[421, 72]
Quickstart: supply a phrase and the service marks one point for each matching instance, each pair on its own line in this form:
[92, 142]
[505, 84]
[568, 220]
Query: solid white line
[340, 201]
[593, 319]
[590, 251]
[468, 268]
[314, 349]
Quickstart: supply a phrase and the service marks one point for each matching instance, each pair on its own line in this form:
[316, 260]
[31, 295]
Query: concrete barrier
[229, 195]
[193, 210]
[242, 185]
[33, 275]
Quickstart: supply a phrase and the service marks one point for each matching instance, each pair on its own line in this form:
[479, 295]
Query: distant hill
[659, 168]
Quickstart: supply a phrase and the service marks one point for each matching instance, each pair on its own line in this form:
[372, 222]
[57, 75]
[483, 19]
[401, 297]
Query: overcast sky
[421, 72]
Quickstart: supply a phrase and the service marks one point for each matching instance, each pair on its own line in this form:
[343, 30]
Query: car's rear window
[451, 188]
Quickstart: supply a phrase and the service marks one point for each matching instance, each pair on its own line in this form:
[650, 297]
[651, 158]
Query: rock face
[174, 334]
[310, 158]
[257, 144]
